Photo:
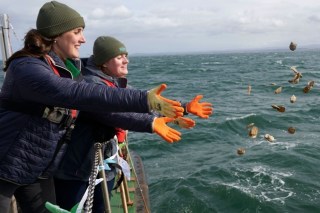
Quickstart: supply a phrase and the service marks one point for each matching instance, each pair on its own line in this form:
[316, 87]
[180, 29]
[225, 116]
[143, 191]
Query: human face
[67, 44]
[117, 66]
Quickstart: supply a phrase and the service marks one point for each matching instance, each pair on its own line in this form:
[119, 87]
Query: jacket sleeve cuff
[184, 105]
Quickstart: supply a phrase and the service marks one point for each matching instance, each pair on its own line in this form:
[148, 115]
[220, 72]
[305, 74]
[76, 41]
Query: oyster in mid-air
[278, 90]
[249, 89]
[291, 130]
[297, 75]
[292, 46]
[253, 132]
[308, 87]
[269, 137]
[293, 99]
[279, 108]
[241, 151]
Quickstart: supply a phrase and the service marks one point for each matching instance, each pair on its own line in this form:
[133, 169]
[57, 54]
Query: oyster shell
[308, 87]
[291, 130]
[279, 108]
[241, 151]
[297, 76]
[253, 132]
[269, 137]
[278, 90]
[293, 99]
[292, 46]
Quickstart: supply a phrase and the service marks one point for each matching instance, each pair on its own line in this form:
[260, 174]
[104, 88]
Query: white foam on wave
[262, 183]
[241, 117]
[276, 145]
[283, 145]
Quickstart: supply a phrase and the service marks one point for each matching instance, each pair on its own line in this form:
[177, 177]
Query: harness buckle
[55, 114]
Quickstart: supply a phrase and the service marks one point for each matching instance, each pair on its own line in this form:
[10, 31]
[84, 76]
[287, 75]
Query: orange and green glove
[164, 106]
[183, 122]
[167, 133]
[202, 110]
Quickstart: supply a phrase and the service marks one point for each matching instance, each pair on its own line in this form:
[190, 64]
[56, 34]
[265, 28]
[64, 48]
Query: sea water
[203, 173]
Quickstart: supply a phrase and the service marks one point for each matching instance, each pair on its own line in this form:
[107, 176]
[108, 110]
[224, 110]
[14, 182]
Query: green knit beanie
[55, 18]
[106, 48]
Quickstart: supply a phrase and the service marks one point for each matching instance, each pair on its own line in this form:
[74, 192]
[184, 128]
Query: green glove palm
[164, 106]
[202, 110]
[167, 133]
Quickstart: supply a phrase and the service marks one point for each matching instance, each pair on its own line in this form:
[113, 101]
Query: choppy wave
[203, 173]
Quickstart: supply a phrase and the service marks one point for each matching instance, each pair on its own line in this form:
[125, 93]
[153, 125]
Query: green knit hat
[106, 48]
[55, 18]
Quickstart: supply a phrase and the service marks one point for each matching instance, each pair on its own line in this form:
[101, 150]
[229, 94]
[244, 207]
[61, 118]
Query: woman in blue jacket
[107, 66]
[39, 89]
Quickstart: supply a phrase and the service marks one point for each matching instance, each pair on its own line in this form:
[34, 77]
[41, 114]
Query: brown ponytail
[35, 45]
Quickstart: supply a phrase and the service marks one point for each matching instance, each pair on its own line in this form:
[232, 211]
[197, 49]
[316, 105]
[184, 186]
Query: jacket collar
[58, 62]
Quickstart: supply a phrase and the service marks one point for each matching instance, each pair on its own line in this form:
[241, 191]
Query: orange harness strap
[52, 66]
[121, 134]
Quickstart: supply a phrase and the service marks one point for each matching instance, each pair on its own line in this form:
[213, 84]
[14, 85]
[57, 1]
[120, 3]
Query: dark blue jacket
[78, 160]
[27, 142]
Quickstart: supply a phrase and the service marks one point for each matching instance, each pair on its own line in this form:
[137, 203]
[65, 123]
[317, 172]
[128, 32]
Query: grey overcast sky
[170, 26]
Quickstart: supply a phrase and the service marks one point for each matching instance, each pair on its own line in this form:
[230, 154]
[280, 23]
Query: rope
[93, 176]
[92, 179]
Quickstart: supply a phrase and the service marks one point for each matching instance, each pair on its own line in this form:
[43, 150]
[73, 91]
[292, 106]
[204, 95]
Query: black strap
[53, 165]
[121, 178]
